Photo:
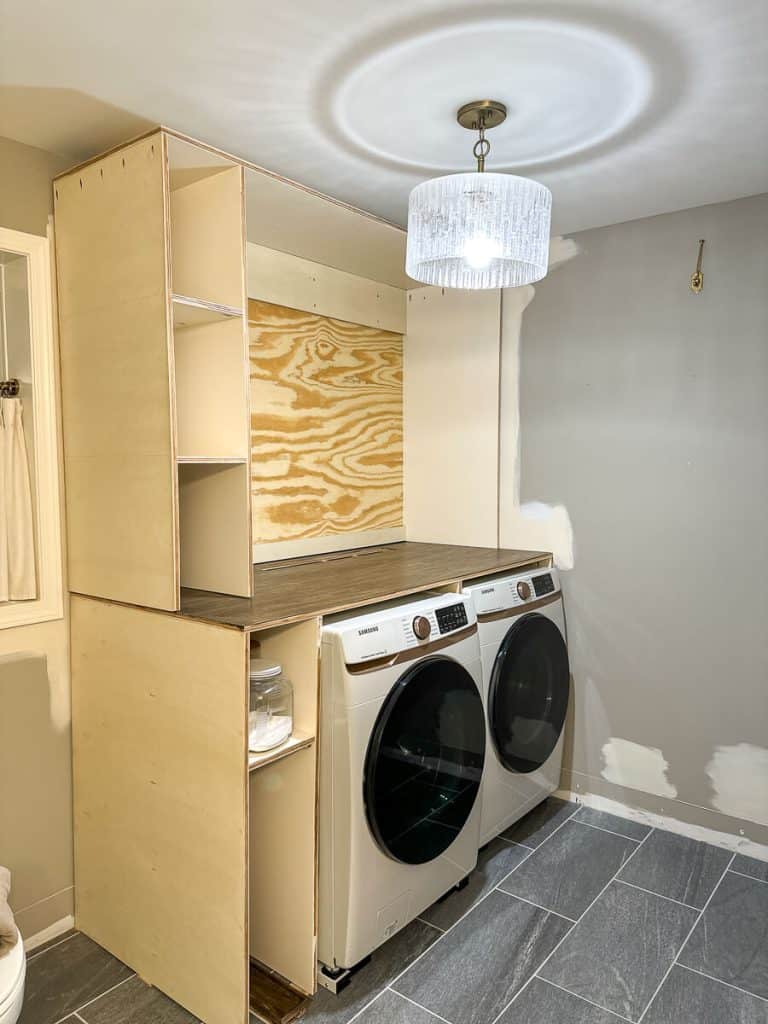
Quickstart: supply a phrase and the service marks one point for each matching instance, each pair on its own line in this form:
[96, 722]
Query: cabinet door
[116, 369]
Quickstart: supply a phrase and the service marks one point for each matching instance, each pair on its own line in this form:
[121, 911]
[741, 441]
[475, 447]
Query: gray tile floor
[572, 917]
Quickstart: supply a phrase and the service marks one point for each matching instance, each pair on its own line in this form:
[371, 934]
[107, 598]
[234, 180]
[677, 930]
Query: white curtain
[17, 538]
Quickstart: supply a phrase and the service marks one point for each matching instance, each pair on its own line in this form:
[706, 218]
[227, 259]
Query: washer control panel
[451, 618]
[384, 631]
[513, 591]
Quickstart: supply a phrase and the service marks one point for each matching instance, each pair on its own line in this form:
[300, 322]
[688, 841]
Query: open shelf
[189, 312]
[297, 741]
[213, 525]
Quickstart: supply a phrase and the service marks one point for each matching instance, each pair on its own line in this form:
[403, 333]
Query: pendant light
[479, 230]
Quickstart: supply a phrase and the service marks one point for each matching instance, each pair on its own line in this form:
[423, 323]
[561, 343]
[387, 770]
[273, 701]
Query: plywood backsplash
[326, 432]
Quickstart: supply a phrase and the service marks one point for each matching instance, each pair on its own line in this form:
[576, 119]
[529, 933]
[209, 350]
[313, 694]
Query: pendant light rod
[480, 116]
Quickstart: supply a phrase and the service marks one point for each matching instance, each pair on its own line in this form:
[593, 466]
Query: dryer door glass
[425, 761]
[528, 695]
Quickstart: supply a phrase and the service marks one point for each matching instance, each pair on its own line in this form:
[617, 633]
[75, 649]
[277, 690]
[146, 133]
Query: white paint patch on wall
[636, 767]
[534, 525]
[739, 776]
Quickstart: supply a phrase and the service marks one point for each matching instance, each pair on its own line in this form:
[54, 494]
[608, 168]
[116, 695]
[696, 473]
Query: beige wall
[35, 752]
[644, 419]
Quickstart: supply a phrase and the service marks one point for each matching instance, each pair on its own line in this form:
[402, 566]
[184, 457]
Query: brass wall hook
[697, 277]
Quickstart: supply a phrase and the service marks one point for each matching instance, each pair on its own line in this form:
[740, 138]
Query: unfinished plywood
[207, 240]
[326, 428]
[283, 813]
[116, 368]
[451, 416]
[214, 528]
[287, 280]
[212, 390]
[282, 867]
[159, 733]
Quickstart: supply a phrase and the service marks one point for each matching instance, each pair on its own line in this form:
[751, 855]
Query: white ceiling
[625, 109]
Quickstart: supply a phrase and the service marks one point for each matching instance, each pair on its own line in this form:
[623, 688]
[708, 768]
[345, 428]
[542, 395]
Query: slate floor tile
[135, 1003]
[51, 942]
[688, 998]
[569, 871]
[618, 953]
[391, 1008]
[494, 863]
[751, 866]
[472, 973]
[611, 822]
[540, 823]
[386, 963]
[682, 869]
[542, 1003]
[730, 942]
[66, 976]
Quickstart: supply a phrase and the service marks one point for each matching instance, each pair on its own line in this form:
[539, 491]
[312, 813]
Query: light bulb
[479, 251]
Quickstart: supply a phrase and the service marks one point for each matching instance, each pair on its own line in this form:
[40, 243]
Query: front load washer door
[425, 761]
[528, 695]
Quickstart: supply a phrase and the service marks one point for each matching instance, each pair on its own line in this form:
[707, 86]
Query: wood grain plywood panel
[116, 370]
[451, 416]
[159, 734]
[326, 427]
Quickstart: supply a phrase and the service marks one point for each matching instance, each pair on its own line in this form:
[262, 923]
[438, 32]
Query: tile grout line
[460, 919]
[743, 874]
[584, 999]
[101, 994]
[728, 984]
[684, 943]
[599, 828]
[659, 894]
[429, 924]
[41, 952]
[547, 910]
[552, 952]
[414, 1003]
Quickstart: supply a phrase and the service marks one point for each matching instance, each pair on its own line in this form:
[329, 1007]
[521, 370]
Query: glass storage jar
[270, 708]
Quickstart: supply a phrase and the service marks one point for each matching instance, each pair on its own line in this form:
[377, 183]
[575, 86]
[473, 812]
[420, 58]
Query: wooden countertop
[299, 589]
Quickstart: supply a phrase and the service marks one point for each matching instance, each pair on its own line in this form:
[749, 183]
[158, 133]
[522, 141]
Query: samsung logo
[488, 590]
[368, 629]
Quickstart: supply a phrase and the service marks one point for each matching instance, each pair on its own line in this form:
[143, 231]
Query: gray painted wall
[644, 410]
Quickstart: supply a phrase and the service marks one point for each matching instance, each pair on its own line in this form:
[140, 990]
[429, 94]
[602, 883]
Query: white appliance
[526, 685]
[13, 969]
[401, 760]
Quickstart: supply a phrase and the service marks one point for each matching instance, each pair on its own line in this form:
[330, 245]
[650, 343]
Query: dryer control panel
[386, 630]
[513, 591]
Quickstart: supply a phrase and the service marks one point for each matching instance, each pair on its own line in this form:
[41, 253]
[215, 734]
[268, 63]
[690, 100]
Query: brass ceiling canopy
[481, 114]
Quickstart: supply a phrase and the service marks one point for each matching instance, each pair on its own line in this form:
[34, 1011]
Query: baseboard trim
[53, 931]
[736, 844]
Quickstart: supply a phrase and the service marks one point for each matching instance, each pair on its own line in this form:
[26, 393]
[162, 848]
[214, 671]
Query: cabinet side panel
[112, 268]
[159, 735]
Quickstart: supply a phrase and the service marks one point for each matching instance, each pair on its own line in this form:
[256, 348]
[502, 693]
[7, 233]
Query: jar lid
[263, 668]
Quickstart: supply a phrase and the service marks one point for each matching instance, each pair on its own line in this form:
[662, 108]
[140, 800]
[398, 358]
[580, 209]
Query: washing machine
[402, 747]
[526, 686]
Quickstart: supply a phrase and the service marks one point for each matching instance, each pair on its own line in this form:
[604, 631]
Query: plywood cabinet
[151, 274]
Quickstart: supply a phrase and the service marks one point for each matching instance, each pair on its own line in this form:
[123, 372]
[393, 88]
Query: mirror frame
[49, 603]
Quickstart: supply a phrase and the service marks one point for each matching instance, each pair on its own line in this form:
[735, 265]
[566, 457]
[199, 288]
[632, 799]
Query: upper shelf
[188, 312]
